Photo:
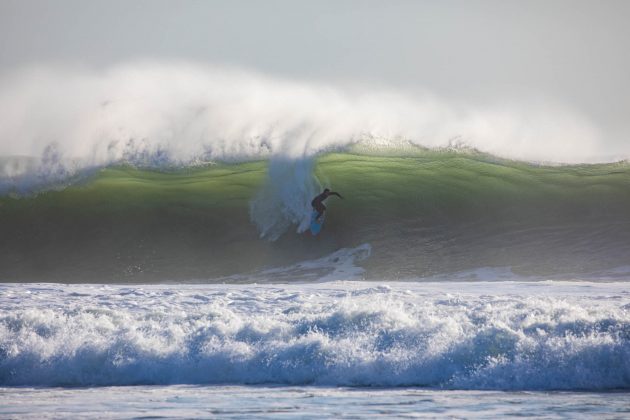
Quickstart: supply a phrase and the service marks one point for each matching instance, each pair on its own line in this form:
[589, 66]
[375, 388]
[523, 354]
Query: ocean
[447, 282]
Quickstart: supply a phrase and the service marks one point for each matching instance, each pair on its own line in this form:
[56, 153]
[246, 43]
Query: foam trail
[338, 266]
[508, 336]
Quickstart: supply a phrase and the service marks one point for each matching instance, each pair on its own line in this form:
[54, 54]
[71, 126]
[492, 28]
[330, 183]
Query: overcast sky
[574, 52]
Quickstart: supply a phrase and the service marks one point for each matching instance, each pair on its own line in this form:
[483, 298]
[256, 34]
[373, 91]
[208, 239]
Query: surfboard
[316, 226]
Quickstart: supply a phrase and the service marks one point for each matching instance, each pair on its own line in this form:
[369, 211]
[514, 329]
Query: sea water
[446, 283]
[332, 349]
[124, 209]
[197, 401]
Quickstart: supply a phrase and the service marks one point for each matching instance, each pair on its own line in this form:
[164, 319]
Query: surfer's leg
[320, 211]
[319, 208]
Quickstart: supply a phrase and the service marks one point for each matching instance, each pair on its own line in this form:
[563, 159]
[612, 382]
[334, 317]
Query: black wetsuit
[318, 202]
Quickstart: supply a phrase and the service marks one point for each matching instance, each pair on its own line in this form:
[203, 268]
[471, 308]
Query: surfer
[318, 202]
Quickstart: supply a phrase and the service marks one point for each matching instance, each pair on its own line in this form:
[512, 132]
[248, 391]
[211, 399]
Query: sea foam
[499, 335]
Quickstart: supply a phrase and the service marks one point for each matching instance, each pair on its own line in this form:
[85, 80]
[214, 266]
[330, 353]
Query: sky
[573, 54]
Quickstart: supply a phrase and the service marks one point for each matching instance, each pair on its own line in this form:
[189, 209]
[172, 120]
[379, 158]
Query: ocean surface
[445, 283]
[423, 213]
[238, 402]
[345, 348]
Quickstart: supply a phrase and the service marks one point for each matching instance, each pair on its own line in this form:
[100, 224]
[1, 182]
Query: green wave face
[424, 214]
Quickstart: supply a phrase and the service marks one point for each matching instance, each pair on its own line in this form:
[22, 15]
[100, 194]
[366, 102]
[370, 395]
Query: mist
[508, 63]
[187, 110]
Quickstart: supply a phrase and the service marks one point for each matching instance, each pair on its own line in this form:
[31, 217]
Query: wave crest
[165, 114]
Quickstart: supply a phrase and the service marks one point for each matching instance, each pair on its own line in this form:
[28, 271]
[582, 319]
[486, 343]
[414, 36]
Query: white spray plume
[184, 112]
[154, 114]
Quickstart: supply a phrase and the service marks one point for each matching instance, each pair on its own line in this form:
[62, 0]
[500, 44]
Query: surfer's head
[326, 190]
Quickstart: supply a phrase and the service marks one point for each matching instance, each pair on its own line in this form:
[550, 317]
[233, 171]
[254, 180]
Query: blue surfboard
[316, 226]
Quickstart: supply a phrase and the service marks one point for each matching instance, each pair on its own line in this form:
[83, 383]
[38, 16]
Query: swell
[424, 214]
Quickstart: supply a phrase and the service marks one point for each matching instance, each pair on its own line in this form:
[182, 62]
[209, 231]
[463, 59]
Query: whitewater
[335, 349]
[467, 336]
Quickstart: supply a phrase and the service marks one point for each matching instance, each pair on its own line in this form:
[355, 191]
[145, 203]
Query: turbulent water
[470, 336]
[421, 214]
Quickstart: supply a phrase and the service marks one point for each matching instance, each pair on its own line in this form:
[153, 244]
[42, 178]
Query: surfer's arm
[335, 193]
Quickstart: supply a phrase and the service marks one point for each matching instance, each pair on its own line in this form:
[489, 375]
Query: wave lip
[176, 113]
[533, 337]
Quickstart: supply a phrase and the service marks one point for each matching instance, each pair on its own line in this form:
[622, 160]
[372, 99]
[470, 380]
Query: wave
[508, 336]
[425, 213]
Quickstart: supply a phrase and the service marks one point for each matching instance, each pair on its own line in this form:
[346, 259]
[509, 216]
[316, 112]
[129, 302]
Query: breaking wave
[180, 172]
[455, 336]
[424, 213]
[61, 121]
